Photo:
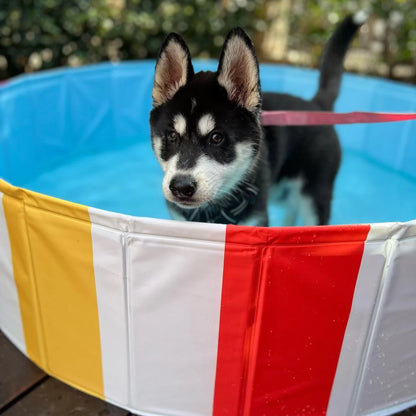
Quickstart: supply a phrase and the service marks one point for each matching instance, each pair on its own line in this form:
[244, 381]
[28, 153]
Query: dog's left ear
[238, 71]
[173, 69]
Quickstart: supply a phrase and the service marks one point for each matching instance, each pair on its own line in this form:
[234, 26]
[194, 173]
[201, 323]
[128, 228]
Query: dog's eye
[215, 138]
[173, 136]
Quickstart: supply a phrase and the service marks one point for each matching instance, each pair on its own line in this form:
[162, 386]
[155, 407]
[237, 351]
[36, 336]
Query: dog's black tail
[332, 64]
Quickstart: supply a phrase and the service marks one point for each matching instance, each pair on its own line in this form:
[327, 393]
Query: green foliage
[39, 34]
[310, 20]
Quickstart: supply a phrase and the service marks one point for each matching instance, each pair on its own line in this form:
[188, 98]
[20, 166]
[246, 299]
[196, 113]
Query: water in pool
[128, 181]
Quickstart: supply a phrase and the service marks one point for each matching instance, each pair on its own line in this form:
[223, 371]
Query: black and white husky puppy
[218, 160]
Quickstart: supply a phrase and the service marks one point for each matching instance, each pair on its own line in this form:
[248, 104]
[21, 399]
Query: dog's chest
[233, 210]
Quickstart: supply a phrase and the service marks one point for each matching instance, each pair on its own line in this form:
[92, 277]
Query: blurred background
[42, 34]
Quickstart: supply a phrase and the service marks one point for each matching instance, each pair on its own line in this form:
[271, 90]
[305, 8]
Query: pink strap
[319, 118]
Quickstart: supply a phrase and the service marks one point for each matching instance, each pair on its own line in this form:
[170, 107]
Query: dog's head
[205, 127]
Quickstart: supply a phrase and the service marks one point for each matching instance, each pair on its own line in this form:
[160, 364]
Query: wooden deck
[25, 390]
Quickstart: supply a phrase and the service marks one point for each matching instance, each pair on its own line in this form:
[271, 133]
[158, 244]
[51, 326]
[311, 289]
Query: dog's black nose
[183, 186]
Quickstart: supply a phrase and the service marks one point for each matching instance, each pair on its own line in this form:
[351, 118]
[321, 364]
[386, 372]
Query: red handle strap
[320, 118]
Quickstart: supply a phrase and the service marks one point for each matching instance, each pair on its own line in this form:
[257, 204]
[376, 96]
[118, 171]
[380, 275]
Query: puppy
[218, 161]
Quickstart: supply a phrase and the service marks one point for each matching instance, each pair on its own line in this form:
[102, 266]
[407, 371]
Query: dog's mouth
[188, 203]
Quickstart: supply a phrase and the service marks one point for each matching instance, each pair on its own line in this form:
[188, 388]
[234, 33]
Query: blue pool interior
[83, 135]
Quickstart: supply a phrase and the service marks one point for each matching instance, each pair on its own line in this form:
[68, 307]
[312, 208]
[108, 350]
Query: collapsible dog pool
[101, 290]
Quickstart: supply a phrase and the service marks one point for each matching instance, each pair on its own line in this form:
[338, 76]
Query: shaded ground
[25, 390]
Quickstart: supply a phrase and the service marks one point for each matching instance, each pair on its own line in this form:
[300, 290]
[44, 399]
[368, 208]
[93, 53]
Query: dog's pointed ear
[238, 70]
[173, 69]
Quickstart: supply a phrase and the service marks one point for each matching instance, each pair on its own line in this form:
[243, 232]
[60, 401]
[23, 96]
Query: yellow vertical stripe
[54, 269]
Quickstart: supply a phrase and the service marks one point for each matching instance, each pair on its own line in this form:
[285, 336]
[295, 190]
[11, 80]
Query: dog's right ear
[173, 69]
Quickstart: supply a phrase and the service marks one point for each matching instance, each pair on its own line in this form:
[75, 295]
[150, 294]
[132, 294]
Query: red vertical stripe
[287, 294]
[241, 263]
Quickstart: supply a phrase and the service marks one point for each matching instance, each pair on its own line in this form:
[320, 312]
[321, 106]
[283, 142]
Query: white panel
[389, 378]
[111, 299]
[10, 319]
[376, 372]
[341, 401]
[174, 295]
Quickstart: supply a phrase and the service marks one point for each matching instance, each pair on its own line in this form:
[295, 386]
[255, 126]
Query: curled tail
[332, 64]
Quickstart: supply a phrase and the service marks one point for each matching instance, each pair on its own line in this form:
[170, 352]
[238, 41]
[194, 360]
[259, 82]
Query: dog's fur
[218, 161]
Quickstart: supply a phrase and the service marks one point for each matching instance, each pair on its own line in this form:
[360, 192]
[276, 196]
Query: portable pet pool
[168, 318]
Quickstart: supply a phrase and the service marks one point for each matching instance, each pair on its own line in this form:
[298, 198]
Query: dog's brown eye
[216, 138]
[173, 136]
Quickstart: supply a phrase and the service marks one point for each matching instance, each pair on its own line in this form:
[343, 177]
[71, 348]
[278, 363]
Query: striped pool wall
[173, 318]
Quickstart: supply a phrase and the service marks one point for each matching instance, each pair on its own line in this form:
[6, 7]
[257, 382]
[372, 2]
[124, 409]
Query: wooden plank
[54, 398]
[17, 373]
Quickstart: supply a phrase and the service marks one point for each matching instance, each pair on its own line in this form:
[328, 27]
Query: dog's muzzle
[183, 187]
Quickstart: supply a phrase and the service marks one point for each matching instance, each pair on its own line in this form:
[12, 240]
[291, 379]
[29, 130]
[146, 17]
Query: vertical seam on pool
[250, 365]
[128, 317]
[38, 314]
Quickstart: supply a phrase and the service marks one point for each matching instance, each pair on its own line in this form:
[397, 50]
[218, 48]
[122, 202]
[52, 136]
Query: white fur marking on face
[214, 180]
[157, 148]
[179, 124]
[170, 171]
[206, 124]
